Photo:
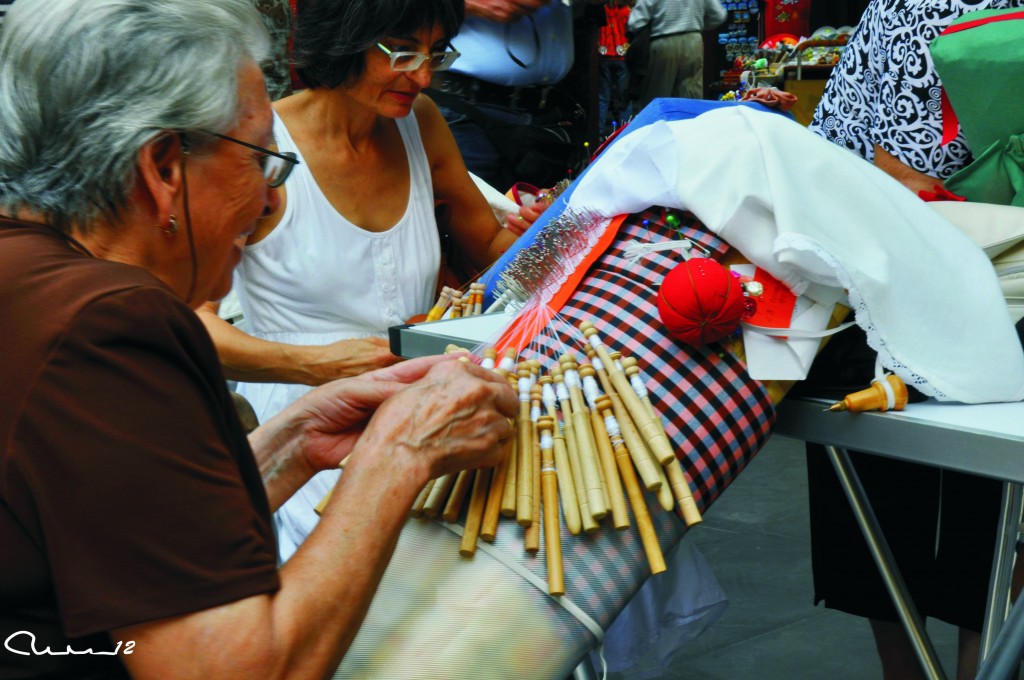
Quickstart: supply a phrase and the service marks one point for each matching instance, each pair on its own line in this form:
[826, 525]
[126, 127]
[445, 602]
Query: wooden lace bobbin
[566, 488]
[585, 444]
[644, 525]
[508, 498]
[453, 508]
[524, 465]
[587, 520]
[666, 497]
[574, 383]
[613, 483]
[876, 397]
[552, 529]
[421, 500]
[492, 509]
[456, 304]
[508, 361]
[645, 463]
[650, 427]
[688, 510]
[438, 496]
[531, 538]
[475, 513]
[443, 300]
[319, 508]
[478, 298]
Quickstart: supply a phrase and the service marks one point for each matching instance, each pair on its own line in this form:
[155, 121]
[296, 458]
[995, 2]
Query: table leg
[882, 555]
[1002, 644]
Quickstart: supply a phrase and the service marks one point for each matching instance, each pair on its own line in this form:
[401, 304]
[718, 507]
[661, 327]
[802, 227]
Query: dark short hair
[332, 36]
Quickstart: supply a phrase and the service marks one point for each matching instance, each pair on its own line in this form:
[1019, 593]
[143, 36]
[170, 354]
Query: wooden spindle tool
[650, 427]
[688, 510]
[572, 447]
[566, 488]
[552, 529]
[645, 527]
[613, 483]
[475, 513]
[585, 444]
[645, 463]
[524, 466]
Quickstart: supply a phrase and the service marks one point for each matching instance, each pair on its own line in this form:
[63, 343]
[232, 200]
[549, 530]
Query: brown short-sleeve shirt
[128, 491]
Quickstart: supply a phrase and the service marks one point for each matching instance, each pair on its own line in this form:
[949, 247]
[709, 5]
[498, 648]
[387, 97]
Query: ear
[160, 180]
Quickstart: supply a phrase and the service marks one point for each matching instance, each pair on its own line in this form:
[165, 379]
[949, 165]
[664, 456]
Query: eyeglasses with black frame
[410, 61]
[276, 166]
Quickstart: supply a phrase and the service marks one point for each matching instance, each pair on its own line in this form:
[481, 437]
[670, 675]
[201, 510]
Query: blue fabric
[658, 109]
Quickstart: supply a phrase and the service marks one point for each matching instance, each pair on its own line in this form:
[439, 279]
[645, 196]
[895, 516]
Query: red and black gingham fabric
[716, 415]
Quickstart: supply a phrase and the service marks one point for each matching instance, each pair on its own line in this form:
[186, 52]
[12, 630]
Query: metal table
[984, 439]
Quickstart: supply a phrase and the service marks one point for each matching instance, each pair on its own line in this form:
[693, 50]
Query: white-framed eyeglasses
[410, 61]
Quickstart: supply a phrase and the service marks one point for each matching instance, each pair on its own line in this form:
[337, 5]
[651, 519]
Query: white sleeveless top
[317, 278]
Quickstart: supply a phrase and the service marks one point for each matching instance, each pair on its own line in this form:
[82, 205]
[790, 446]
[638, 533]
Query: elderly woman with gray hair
[134, 513]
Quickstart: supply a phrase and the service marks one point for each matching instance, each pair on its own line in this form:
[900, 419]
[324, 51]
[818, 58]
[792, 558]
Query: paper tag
[775, 306]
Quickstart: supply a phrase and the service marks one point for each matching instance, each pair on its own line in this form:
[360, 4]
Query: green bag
[979, 58]
[995, 176]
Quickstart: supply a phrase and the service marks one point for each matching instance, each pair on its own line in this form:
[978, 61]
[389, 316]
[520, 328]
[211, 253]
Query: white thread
[546, 441]
[634, 250]
[890, 396]
[595, 341]
[563, 391]
[572, 379]
[534, 413]
[612, 426]
[591, 391]
[797, 332]
[507, 364]
[881, 377]
[638, 385]
[547, 395]
[524, 389]
[487, 363]
[598, 364]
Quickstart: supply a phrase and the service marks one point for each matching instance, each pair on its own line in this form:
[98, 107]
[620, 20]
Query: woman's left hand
[519, 222]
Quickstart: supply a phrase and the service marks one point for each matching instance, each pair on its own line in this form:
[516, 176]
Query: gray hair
[85, 85]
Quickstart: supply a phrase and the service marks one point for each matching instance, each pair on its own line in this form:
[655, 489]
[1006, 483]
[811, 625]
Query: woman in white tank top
[354, 248]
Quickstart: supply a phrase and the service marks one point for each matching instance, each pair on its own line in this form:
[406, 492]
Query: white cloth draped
[808, 212]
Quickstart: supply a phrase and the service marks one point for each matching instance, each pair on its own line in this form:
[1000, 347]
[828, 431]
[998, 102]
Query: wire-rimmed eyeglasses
[276, 166]
[410, 61]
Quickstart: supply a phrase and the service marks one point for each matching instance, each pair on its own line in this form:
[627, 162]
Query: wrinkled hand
[503, 11]
[519, 222]
[454, 418]
[346, 358]
[333, 416]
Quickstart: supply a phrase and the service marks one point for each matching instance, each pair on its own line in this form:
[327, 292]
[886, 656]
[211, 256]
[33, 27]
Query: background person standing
[676, 60]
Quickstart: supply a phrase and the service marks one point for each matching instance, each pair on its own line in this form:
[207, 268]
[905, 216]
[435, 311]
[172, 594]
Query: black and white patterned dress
[885, 91]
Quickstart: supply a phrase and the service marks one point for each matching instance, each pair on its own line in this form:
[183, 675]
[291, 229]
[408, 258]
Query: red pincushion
[700, 302]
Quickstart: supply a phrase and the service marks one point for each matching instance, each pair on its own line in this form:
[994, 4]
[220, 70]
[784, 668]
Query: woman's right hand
[454, 417]
[346, 358]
